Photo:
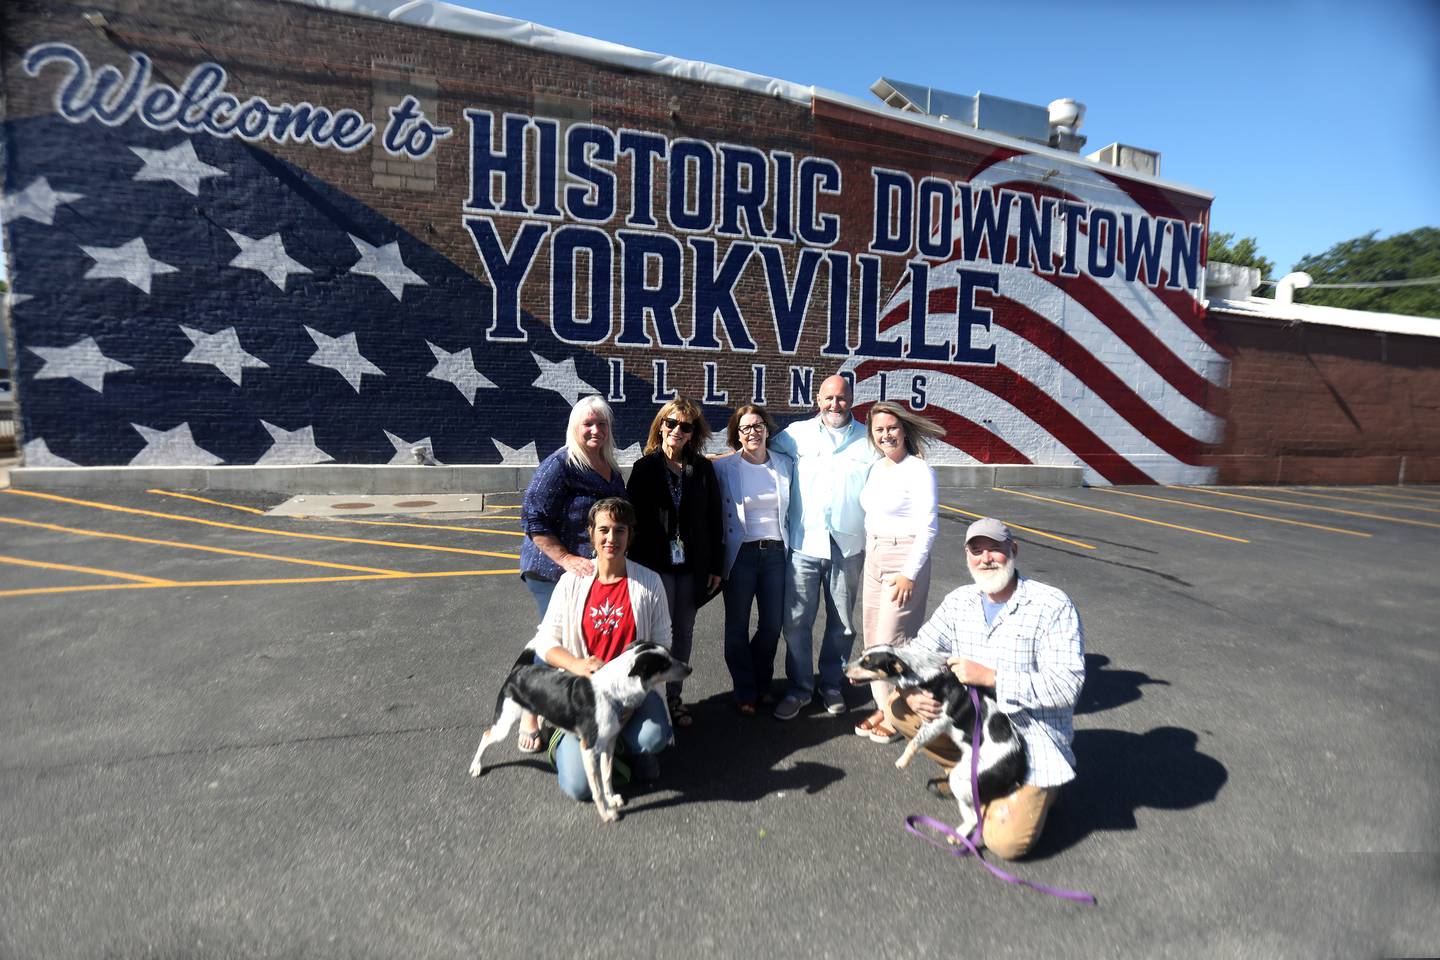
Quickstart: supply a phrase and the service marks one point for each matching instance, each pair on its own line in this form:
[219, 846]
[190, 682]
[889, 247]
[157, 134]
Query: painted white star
[385, 265]
[222, 350]
[562, 378]
[266, 255]
[81, 360]
[459, 369]
[517, 456]
[37, 454]
[171, 448]
[342, 355]
[178, 164]
[130, 262]
[18, 298]
[291, 447]
[412, 451]
[36, 202]
[631, 453]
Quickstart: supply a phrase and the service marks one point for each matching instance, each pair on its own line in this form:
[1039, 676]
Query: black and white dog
[1003, 764]
[593, 708]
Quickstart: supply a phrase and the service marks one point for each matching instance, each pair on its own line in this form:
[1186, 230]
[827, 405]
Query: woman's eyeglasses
[750, 428]
[684, 426]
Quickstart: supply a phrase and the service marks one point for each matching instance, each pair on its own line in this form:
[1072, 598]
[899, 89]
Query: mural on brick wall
[190, 290]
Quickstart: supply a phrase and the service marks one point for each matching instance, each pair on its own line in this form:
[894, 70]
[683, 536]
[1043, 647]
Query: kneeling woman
[590, 620]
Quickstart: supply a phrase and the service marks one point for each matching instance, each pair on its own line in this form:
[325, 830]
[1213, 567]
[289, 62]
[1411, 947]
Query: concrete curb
[367, 479]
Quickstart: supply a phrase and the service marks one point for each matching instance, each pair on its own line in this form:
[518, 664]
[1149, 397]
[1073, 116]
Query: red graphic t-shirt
[609, 622]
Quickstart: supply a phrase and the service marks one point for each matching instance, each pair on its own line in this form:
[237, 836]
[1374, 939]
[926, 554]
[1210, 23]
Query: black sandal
[680, 715]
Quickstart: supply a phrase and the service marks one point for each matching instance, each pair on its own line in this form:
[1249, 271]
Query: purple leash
[971, 844]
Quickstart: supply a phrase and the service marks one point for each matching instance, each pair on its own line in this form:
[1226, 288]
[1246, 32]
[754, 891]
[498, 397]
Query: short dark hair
[732, 432]
[619, 509]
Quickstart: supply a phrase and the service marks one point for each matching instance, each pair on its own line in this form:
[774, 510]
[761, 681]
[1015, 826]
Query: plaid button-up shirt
[1036, 646]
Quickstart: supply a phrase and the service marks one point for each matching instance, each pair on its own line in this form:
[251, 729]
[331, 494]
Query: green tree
[1405, 256]
[1244, 252]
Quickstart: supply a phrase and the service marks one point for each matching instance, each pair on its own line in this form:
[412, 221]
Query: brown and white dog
[1003, 763]
[592, 708]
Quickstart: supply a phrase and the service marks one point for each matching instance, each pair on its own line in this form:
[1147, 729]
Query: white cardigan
[728, 469]
[565, 615]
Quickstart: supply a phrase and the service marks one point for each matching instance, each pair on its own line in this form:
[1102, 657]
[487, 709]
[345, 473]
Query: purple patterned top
[557, 502]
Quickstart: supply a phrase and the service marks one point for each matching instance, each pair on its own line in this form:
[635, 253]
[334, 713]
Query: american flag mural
[226, 256]
[205, 302]
[1112, 374]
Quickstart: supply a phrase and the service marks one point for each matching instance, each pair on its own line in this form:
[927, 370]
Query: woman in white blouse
[755, 495]
[901, 522]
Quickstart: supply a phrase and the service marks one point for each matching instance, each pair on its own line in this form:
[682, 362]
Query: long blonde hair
[582, 409]
[920, 431]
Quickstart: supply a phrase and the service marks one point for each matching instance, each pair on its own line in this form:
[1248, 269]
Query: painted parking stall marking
[1127, 516]
[1016, 526]
[1310, 506]
[1238, 513]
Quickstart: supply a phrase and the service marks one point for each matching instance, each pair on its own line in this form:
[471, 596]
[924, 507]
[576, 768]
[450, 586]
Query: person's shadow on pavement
[726, 757]
[1120, 772]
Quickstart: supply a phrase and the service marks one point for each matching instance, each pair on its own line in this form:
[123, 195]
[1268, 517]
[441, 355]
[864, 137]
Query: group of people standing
[826, 509]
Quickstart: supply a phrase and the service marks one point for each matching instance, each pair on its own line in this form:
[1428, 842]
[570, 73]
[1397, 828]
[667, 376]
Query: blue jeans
[648, 731]
[756, 579]
[806, 579]
[541, 591]
[680, 595]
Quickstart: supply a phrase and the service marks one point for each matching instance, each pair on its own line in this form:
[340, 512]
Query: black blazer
[700, 522]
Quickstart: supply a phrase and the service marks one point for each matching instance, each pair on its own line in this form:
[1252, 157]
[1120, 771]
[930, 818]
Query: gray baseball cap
[988, 527]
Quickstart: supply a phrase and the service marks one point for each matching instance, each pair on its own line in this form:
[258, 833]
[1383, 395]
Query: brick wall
[381, 326]
[1316, 404]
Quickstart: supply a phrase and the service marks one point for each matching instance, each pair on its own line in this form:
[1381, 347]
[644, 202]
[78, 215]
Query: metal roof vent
[1128, 158]
[982, 111]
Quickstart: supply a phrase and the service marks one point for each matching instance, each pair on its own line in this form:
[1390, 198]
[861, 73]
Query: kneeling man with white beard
[1023, 641]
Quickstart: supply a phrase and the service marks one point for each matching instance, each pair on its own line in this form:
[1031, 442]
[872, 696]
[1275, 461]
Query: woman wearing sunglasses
[756, 491]
[678, 528]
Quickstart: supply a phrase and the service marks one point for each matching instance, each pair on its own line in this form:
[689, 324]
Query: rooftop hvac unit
[1128, 158]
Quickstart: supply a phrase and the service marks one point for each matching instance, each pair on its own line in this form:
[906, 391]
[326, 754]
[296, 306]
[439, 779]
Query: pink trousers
[884, 620]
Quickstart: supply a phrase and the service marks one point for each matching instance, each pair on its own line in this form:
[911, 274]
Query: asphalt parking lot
[229, 733]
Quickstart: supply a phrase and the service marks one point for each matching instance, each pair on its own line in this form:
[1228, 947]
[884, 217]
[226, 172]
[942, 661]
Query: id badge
[677, 551]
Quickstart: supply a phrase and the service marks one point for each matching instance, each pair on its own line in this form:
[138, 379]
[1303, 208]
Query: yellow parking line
[273, 533]
[1038, 533]
[1238, 513]
[71, 568]
[213, 503]
[1312, 506]
[78, 531]
[1127, 516]
[1390, 496]
[402, 523]
[173, 584]
[1360, 500]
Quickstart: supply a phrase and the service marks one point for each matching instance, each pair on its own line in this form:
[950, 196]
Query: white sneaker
[834, 702]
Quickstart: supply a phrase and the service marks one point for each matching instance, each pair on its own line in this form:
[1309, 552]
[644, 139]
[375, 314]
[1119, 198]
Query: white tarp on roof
[1261, 309]
[446, 16]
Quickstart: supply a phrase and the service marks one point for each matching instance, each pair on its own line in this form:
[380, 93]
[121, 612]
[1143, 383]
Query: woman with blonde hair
[901, 522]
[678, 530]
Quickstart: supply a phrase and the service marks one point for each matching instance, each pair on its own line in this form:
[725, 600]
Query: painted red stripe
[1036, 404]
[967, 436]
[1101, 380]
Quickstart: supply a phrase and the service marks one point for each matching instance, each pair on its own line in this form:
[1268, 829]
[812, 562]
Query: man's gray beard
[835, 421]
[993, 581]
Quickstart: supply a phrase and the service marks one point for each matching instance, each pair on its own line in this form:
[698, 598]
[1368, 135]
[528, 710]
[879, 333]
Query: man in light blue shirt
[827, 544]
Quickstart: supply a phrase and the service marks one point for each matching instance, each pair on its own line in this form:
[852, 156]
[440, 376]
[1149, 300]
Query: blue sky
[1311, 121]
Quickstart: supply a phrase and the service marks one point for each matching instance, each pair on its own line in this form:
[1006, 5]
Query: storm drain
[448, 503]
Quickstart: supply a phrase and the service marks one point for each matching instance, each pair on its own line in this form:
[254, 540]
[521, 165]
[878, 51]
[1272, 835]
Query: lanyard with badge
[677, 545]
